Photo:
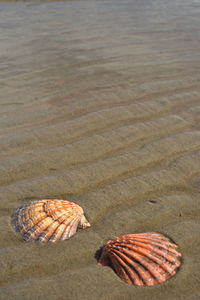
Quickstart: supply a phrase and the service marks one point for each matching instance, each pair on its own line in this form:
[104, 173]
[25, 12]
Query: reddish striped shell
[142, 259]
[48, 220]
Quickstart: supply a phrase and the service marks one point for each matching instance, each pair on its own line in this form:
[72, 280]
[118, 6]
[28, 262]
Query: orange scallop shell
[48, 220]
[142, 259]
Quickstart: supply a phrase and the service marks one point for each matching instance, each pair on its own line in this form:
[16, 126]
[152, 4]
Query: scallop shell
[48, 220]
[142, 259]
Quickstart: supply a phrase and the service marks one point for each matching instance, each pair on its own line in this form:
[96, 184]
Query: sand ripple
[100, 104]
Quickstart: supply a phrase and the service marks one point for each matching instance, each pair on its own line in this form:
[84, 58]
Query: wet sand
[100, 105]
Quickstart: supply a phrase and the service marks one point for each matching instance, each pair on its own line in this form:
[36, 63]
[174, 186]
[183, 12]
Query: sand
[100, 105]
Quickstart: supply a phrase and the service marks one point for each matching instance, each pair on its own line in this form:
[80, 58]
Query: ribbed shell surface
[48, 220]
[142, 259]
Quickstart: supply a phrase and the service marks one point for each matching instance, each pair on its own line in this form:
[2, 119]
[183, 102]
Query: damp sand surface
[100, 105]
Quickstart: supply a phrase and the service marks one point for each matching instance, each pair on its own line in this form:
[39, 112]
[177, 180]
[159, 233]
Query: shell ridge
[152, 257]
[22, 225]
[33, 233]
[66, 233]
[66, 224]
[157, 251]
[30, 210]
[18, 214]
[74, 227]
[66, 228]
[152, 268]
[134, 266]
[60, 217]
[165, 243]
[167, 255]
[41, 233]
[153, 235]
[35, 204]
[147, 235]
[52, 208]
[47, 220]
[27, 233]
[143, 272]
[34, 220]
[52, 237]
[57, 236]
[155, 259]
[47, 234]
[31, 221]
[58, 233]
[15, 220]
[157, 245]
[120, 268]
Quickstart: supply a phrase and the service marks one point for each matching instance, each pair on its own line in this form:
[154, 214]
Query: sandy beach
[100, 105]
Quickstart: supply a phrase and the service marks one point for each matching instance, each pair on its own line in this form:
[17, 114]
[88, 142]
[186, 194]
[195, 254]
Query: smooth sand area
[100, 105]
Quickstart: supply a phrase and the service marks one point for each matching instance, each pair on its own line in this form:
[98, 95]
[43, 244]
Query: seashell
[142, 259]
[48, 220]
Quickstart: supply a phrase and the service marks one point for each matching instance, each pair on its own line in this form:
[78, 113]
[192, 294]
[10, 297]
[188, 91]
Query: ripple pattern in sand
[100, 104]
